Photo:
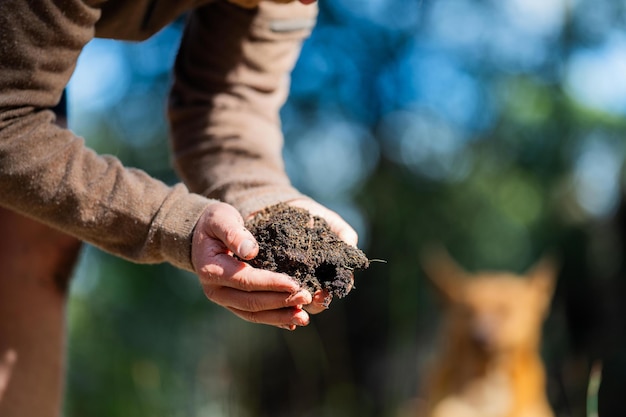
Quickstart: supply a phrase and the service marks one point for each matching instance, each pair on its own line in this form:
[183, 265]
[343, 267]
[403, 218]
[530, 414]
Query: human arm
[232, 77]
[47, 173]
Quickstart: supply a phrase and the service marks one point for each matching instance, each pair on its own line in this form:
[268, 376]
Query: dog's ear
[443, 272]
[542, 277]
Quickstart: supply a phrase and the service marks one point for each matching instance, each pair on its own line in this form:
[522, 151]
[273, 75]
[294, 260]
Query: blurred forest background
[497, 128]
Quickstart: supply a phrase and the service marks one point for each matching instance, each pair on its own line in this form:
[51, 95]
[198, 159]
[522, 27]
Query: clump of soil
[307, 250]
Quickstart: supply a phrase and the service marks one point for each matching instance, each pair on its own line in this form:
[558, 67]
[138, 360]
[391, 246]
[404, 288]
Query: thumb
[223, 222]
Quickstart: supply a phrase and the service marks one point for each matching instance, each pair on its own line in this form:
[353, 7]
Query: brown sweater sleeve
[47, 173]
[231, 78]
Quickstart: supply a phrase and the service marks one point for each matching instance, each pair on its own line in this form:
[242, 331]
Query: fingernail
[301, 318]
[247, 248]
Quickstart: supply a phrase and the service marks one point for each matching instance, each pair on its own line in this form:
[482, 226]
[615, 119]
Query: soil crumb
[307, 250]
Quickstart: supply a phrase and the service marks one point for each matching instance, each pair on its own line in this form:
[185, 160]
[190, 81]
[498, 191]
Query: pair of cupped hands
[254, 294]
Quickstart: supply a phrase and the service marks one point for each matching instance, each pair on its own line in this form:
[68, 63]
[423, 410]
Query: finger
[224, 270]
[256, 301]
[284, 318]
[224, 223]
[320, 302]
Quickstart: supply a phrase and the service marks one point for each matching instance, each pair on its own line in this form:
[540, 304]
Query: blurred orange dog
[489, 363]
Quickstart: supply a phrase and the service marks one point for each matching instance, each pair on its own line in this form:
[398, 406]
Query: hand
[321, 298]
[253, 294]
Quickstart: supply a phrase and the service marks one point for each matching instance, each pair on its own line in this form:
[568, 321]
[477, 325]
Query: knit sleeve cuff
[175, 223]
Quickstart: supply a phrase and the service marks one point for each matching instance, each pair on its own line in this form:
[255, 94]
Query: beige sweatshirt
[231, 78]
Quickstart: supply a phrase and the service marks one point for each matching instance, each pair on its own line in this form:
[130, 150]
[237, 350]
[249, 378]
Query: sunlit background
[497, 128]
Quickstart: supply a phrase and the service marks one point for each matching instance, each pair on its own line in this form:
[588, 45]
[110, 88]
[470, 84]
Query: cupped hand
[321, 298]
[253, 294]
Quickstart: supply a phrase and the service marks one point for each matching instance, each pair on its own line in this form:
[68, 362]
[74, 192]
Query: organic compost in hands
[293, 242]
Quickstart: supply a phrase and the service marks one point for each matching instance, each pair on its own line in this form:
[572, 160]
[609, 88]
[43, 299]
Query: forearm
[232, 77]
[49, 175]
